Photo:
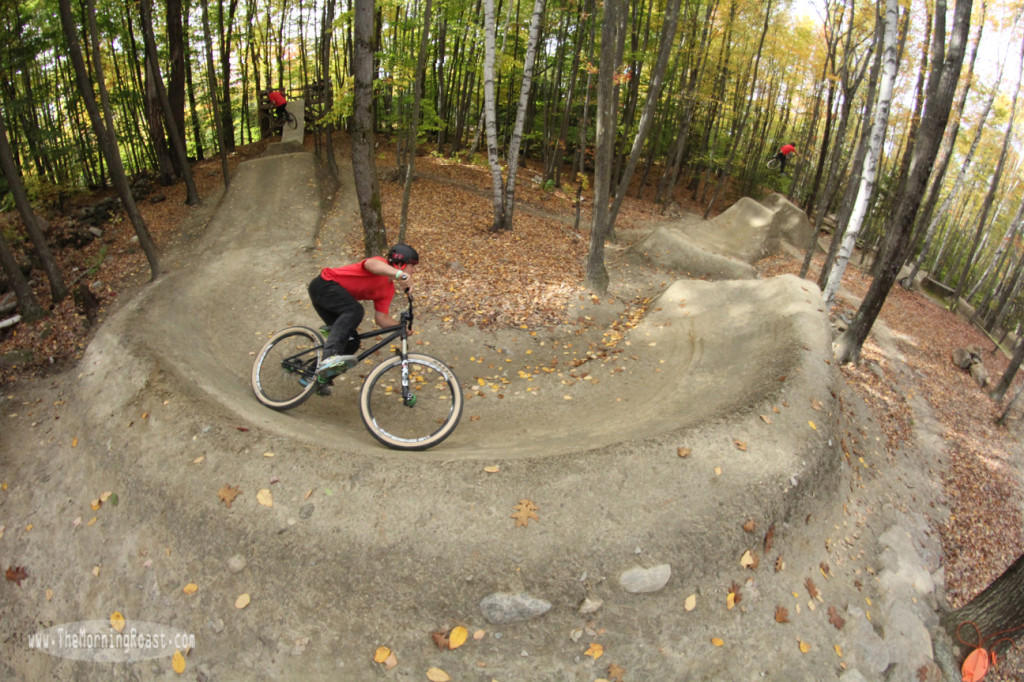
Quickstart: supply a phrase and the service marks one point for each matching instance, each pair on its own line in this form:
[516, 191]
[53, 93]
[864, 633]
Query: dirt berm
[721, 408]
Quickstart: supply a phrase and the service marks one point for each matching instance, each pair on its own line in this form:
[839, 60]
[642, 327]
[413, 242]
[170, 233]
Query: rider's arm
[380, 267]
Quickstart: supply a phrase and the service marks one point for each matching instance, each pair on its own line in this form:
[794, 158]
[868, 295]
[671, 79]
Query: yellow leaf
[95, 504]
[265, 498]
[718, 471]
[691, 602]
[839, 650]
[268, 454]
[96, 571]
[716, 641]
[479, 634]
[178, 662]
[730, 600]
[190, 588]
[105, 496]
[812, 425]
[117, 621]
[242, 601]
[437, 675]
[198, 459]
[481, 382]
[595, 651]
[492, 469]
[91, 521]
[747, 560]
[74, 442]
[457, 637]
[804, 647]
[381, 654]
[49, 595]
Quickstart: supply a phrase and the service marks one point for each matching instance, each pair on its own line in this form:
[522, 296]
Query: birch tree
[877, 139]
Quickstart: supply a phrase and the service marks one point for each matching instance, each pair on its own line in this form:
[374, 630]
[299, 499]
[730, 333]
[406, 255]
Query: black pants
[782, 161]
[338, 309]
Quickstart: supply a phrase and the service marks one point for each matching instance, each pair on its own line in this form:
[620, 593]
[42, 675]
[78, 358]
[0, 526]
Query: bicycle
[288, 119]
[410, 401]
[774, 162]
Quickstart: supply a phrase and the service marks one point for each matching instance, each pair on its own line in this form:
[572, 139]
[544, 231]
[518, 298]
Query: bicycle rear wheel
[773, 163]
[292, 122]
[284, 373]
[427, 418]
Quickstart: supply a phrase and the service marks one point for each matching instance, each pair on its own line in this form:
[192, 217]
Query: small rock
[640, 579]
[236, 563]
[589, 605]
[504, 607]
[306, 510]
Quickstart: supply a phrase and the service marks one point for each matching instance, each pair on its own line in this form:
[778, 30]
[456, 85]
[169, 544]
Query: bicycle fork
[408, 397]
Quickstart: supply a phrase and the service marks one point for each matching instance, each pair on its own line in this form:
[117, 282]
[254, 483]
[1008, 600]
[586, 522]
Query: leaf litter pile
[526, 277]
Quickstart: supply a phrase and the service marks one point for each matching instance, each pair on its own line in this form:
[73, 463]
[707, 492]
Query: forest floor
[981, 499]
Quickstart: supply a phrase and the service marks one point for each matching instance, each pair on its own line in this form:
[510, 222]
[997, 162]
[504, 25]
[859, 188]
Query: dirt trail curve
[364, 546]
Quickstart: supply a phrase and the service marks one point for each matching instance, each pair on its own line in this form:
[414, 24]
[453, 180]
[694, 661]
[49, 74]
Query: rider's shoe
[336, 364]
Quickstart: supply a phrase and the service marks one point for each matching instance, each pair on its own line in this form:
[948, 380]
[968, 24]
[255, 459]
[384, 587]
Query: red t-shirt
[787, 149]
[276, 98]
[363, 284]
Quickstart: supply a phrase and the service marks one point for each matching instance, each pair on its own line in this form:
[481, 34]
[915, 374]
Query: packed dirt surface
[711, 435]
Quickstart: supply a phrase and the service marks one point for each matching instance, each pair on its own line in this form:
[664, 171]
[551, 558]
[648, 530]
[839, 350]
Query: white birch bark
[490, 112]
[870, 172]
[524, 98]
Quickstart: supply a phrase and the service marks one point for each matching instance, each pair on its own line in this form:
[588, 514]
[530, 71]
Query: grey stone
[907, 637]
[236, 563]
[306, 510]
[865, 650]
[504, 607]
[852, 675]
[903, 567]
[641, 579]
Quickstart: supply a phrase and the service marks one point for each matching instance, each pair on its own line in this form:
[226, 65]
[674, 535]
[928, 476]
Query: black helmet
[403, 254]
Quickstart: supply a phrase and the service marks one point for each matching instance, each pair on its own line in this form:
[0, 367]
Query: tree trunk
[941, 90]
[177, 143]
[176, 78]
[867, 178]
[364, 166]
[490, 115]
[517, 130]
[27, 303]
[597, 273]
[58, 290]
[211, 75]
[997, 612]
[108, 144]
[417, 95]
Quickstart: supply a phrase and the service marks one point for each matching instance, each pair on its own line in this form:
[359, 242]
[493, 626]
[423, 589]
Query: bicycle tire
[285, 361]
[292, 122]
[432, 418]
[773, 163]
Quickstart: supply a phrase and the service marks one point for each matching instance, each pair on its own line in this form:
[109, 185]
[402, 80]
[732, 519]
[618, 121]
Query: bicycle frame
[400, 330]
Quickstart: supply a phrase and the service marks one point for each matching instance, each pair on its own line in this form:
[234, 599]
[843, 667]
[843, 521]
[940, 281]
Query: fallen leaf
[117, 621]
[191, 588]
[769, 538]
[391, 661]
[91, 521]
[265, 498]
[816, 404]
[839, 650]
[804, 646]
[437, 675]
[730, 600]
[228, 493]
[381, 654]
[825, 570]
[95, 504]
[595, 651]
[479, 634]
[16, 574]
[749, 560]
[105, 496]
[49, 595]
[524, 511]
[457, 637]
[96, 571]
[492, 469]
[781, 614]
[735, 590]
[740, 444]
[242, 601]
[683, 452]
[440, 638]
[718, 471]
[716, 641]
[616, 673]
[812, 589]
[691, 602]
[199, 459]
[268, 454]
[766, 419]
[812, 425]
[834, 618]
[178, 662]
[750, 526]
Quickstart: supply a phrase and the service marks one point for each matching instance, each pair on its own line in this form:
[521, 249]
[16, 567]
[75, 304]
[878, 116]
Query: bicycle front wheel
[426, 417]
[773, 162]
[292, 122]
[284, 373]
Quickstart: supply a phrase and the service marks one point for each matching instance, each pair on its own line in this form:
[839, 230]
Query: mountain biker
[784, 153]
[279, 102]
[336, 294]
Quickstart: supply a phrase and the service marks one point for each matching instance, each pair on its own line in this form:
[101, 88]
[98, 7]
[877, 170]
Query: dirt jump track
[365, 546]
